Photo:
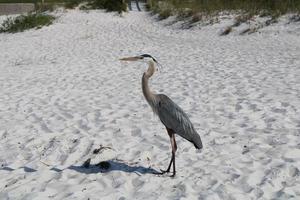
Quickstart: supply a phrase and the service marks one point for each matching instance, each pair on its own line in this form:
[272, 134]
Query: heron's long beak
[135, 58]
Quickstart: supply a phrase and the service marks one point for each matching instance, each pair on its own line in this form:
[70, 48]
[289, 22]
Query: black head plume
[148, 56]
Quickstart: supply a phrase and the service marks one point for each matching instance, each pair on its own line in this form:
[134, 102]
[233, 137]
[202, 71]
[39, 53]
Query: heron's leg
[174, 149]
[170, 133]
[169, 167]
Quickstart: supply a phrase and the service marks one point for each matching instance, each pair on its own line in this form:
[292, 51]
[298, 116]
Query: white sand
[63, 93]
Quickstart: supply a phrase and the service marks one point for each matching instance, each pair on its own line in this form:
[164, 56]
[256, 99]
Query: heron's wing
[173, 117]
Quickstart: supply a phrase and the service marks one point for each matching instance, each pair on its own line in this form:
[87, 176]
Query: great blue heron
[169, 113]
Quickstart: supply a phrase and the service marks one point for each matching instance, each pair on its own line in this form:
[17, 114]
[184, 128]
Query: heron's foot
[173, 175]
[165, 171]
[162, 172]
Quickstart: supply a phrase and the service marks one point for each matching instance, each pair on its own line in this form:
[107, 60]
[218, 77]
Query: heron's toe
[164, 171]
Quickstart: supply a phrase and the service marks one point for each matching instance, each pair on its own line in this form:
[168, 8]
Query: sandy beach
[64, 92]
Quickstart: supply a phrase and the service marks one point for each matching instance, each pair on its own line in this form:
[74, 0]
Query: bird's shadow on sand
[26, 169]
[94, 169]
[114, 166]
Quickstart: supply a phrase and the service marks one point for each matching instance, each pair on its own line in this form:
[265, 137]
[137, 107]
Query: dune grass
[109, 5]
[39, 19]
[34, 1]
[70, 4]
[188, 8]
[253, 6]
[25, 22]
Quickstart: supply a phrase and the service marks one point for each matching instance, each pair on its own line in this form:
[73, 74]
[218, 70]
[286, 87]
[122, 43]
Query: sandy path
[63, 93]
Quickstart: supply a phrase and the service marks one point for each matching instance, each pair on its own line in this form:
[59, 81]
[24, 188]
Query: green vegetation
[24, 22]
[70, 4]
[39, 19]
[209, 11]
[109, 5]
[17, 1]
[187, 8]
[164, 9]
[42, 7]
[32, 1]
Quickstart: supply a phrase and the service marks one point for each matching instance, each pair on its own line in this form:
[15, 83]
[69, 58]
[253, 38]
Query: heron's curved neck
[150, 97]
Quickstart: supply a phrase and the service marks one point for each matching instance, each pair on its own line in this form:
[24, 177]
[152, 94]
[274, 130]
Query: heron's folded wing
[173, 117]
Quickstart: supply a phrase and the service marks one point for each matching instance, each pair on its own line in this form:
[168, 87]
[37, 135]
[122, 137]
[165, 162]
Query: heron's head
[142, 58]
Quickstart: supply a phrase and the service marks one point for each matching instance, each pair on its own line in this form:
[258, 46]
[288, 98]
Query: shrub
[24, 22]
[196, 18]
[148, 7]
[241, 19]
[115, 5]
[70, 4]
[43, 7]
[84, 7]
[164, 14]
[110, 5]
[184, 13]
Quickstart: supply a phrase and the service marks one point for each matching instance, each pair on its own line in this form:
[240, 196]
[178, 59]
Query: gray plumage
[173, 117]
[170, 114]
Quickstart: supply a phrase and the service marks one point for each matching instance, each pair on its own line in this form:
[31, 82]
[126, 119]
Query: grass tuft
[109, 5]
[164, 14]
[185, 8]
[71, 4]
[242, 18]
[24, 22]
[184, 13]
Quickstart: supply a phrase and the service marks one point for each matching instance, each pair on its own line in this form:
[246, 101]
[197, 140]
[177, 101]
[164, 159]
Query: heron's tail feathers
[197, 141]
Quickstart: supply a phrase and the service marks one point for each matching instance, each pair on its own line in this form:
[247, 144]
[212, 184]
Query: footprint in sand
[137, 183]
[136, 132]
